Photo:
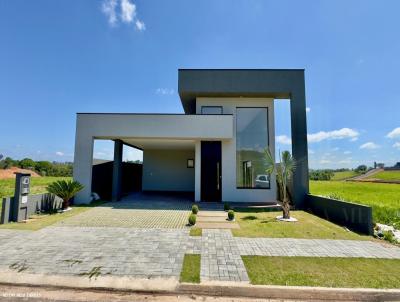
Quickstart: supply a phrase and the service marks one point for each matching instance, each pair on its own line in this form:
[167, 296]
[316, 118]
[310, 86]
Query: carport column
[299, 146]
[117, 171]
[197, 171]
[83, 160]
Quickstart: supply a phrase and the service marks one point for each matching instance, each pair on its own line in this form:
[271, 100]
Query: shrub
[231, 214]
[192, 219]
[195, 209]
[226, 206]
[388, 236]
[65, 189]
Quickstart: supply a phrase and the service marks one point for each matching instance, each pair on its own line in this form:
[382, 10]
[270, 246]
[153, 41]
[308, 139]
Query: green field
[38, 185]
[384, 198]
[344, 175]
[386, 175]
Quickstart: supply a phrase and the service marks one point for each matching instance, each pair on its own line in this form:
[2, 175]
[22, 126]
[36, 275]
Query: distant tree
[361, 169]
[321, 174]
[27, 163]
[8, 162]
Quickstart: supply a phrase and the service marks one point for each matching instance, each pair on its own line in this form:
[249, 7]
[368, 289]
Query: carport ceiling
[178, 144]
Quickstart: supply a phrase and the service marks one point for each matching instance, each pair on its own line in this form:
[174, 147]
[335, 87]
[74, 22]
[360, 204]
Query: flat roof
[271, 83]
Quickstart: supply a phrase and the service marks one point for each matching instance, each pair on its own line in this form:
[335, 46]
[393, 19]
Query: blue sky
[62, 57]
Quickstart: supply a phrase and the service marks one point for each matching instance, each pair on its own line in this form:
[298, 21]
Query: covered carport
[168, 141]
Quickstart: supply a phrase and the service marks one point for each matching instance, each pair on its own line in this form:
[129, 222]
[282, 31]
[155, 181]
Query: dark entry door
[211, 172]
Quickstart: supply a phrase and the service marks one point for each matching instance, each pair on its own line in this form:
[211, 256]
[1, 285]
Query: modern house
[216, 148]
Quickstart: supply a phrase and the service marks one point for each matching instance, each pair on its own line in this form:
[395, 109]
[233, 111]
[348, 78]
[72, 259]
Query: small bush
[388, 236]
[231, 214]
[195, 209]
[226, 206]
[192, 219]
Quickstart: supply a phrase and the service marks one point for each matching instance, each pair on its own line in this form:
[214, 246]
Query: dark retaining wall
[354, 216]
[36, 203]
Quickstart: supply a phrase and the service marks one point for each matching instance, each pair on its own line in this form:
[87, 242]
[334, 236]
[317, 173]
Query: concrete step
[212, 218]
[212, 214]
[217, 225]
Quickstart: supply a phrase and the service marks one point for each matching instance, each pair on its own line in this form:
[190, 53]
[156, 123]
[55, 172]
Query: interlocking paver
[158, 252]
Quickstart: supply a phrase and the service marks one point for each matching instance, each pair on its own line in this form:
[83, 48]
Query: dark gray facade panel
[117, 171]
[354, 216]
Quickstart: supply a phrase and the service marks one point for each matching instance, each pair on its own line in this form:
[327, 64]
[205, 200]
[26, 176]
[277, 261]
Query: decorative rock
[291, 219]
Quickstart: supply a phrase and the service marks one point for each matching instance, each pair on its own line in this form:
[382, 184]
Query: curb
[171, 286]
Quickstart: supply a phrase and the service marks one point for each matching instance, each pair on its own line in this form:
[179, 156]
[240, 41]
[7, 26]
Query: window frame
[268, 144]
[222, 110]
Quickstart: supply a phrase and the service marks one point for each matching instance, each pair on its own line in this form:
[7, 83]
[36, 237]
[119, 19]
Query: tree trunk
[286, 209]
[65, 204]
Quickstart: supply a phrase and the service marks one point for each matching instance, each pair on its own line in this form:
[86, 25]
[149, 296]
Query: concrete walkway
[151, 253]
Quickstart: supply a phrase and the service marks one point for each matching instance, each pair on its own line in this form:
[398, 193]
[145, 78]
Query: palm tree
[284, 172]
[65, 189]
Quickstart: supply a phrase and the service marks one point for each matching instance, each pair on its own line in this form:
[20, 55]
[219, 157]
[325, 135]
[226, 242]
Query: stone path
[149, 253]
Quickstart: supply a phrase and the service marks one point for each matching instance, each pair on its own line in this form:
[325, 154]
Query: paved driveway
[137, 211]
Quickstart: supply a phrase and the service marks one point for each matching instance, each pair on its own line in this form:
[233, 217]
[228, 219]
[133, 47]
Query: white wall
[229, 191]
[125, 126]
[166, 170]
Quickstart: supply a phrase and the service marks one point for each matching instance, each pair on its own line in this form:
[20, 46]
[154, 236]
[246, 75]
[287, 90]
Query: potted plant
[284, 171]
[65, 189]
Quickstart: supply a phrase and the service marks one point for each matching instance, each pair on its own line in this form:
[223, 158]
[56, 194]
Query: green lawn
[384, 198]
[190, 269]
[344, 175]
[386, 175]
[326, 272]
[264, 224]
[36, 222]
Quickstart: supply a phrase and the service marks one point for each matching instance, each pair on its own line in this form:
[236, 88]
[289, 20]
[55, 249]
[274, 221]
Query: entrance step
[215, 220]
[212, 214]
[217, 225]
[212, 218]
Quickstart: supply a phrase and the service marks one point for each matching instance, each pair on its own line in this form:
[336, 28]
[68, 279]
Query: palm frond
[65, 189]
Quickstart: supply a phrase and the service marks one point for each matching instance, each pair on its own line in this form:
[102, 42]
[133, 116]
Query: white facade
[229, 190]
[168, 141]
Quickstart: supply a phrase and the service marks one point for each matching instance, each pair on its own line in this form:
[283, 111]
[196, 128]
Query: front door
[211, 173]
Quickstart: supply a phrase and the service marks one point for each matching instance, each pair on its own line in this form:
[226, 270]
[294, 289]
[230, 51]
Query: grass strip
[191, 269]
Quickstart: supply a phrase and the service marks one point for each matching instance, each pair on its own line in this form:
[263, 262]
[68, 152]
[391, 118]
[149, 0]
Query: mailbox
[25, 185]
[20, 201]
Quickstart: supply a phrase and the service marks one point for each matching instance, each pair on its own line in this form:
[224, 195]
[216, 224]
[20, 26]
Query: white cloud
[324, 161]
[394, 133]
[396, 145]
[127, 14]
[283, 139]
[369, 146]
[310, 151]
[308, 109]
[140, 25]
[165, 91]
[345, 161]
[335, 134]
[59, 153]
[347, 152]
[108, 8]
[128, 11]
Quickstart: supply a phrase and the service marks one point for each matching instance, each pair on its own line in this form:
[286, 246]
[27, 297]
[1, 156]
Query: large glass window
[251, 141]
[211, 110]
